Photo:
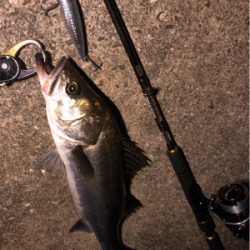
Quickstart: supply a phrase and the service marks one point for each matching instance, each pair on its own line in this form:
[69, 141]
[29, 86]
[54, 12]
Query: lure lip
[48, 77]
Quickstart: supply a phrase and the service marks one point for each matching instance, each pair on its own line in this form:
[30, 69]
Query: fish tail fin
[118, 246]
[127, 248]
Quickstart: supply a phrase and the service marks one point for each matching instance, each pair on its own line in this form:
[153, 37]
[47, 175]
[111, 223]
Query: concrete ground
[196, 53]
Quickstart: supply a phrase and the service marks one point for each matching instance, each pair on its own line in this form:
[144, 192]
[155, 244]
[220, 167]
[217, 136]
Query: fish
[99, 161]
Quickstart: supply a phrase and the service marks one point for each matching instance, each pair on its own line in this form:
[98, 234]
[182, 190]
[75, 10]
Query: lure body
[74, 21]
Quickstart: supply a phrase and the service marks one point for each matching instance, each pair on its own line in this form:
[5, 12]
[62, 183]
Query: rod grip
[181, 167]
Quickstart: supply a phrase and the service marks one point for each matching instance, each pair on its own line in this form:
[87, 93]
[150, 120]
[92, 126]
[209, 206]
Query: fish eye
[73, 89]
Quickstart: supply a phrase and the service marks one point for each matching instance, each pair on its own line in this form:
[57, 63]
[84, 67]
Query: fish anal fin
[50, 162]
[80, 225]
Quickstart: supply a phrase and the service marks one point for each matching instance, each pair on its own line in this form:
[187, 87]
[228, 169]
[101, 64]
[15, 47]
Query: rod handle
[181, 167]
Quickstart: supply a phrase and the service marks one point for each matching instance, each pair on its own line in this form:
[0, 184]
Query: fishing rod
[197, 201]
[231, 203]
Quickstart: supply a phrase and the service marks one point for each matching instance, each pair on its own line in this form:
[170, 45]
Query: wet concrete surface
[196, 53]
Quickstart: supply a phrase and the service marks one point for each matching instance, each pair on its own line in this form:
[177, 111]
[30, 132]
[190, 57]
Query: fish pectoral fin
[50, 162]
[135, 160]
[80, 225]
[84, 165]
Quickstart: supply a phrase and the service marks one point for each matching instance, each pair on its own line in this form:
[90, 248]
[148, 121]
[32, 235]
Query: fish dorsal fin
[83, 163]
[135, 160]
[80, 225]
[132, 205]
[50, 162]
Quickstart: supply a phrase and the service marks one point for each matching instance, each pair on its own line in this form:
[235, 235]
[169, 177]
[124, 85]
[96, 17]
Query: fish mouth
[48, 76]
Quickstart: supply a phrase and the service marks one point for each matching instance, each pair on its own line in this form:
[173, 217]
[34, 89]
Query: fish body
[91, 147]
[74, 22]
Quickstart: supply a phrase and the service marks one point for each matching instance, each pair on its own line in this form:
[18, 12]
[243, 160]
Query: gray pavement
[196, 53]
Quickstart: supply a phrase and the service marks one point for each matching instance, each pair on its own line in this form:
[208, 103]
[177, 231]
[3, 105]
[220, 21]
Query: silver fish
[98, 162]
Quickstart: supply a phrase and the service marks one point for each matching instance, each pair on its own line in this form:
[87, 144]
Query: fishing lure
[74, 21]
[75, 24]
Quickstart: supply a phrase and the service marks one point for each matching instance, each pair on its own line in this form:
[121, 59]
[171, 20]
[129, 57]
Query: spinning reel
[231, 205]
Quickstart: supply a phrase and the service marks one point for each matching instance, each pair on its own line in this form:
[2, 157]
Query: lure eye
[73, 89]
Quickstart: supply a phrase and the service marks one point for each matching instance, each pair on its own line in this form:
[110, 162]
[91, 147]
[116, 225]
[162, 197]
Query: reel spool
[231, 204]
